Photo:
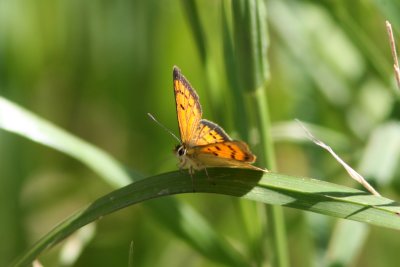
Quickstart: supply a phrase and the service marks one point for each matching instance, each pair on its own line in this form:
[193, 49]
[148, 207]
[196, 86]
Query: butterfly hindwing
[230, 150]
[208, 132]
[188, 107]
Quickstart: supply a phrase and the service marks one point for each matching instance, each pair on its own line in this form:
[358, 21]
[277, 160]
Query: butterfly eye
[181, 151]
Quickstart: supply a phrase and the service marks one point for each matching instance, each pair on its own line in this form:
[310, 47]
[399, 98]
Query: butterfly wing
[211, 146]
[188, 108]
[232, 150]
[208, 132]
[228, 153]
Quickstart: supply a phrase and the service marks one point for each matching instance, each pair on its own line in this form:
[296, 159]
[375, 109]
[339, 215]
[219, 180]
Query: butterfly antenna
[162, 126]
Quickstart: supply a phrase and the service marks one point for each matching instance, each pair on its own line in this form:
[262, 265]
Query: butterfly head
[180, 151]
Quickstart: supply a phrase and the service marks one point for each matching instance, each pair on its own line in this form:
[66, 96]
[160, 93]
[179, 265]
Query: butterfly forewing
[188, 108]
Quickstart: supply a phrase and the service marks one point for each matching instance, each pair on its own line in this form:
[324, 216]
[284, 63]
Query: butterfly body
[204, 143]
[187, 159]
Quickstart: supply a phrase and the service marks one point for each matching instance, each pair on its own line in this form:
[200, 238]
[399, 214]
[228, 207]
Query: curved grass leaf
[18, 120]
[271, 188]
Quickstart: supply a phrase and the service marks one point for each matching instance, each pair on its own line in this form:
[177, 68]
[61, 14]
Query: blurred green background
[95, 68]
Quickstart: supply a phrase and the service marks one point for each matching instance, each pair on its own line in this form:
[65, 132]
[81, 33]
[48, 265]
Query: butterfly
[203, 143]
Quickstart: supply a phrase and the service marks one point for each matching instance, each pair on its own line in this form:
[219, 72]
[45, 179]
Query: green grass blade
[239, 110]
[18, 120]
[277, 222]
[277, 189]
[252, 39]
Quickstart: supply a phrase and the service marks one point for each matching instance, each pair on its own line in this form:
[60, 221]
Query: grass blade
[277, 189]
[18, 120]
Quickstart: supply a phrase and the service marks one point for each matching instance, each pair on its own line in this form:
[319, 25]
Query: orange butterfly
[203, 143]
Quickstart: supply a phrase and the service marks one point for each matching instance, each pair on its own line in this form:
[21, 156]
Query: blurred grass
[96, 68]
